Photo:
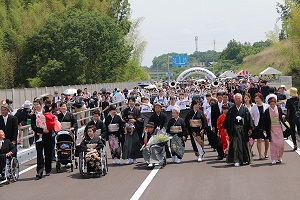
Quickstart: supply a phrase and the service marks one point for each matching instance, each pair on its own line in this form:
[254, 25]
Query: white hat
[27, 104]
[282, 86]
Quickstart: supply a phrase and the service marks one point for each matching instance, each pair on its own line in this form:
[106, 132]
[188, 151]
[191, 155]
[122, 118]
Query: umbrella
[149, 87]
[105, 90]
[50, 96]
[70, 91]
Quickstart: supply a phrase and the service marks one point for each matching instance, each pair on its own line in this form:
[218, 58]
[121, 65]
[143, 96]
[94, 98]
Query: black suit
[11, 127]
[136, 113]
[215, 114]
[99, 125]
[7, 146]
[45, 145]
[159, 120]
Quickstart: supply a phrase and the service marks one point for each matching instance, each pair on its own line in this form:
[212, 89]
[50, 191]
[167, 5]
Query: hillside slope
[269, 57]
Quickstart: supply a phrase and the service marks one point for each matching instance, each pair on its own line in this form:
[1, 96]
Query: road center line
[145, 184]
[289, 142]
[27, 169]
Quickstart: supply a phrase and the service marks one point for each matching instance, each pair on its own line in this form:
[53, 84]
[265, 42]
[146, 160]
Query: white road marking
[145, 184]
[27, 169]
[289, 142]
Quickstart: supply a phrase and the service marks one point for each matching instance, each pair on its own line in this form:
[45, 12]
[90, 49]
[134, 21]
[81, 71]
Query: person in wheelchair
[91, 145]
[7, 149]
[155, 154]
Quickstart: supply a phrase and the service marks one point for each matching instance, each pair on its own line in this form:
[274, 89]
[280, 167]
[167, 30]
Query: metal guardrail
[83, 116]
[19, 95]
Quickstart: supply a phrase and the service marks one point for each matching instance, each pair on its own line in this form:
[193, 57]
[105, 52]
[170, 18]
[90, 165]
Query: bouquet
[160, 137]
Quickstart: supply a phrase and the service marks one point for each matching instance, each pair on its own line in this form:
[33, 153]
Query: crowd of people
[232, 115]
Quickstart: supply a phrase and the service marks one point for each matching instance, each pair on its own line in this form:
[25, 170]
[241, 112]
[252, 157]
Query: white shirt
[181, 105]
[220, 106]
[170, 107]
[162, 100]
[118, 97]
[5, 119]
[145, 108]
[205, 106]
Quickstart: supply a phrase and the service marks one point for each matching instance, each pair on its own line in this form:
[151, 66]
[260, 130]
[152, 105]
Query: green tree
[82, 46]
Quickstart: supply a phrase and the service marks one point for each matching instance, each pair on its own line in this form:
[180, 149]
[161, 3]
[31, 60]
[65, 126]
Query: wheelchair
[84, 169]
[11, 170]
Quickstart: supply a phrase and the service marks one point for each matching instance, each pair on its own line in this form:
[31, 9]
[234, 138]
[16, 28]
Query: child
[45, 120]
[41, 123]
[131, 127]
[223, 137]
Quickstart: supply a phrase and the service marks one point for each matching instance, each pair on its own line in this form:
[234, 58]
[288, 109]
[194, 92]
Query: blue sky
[171, 25]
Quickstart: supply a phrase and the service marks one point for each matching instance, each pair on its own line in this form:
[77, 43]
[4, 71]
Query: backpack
[297, 113]
[78, 102]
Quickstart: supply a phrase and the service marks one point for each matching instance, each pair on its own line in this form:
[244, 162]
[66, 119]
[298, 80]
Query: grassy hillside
[270, 57]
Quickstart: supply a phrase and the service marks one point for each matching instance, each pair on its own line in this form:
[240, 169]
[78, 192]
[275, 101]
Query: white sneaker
[196, 158]
[178, 161]
[128, 161]
[150, 165]
[199, 159]
[273, 162]
[39, 140]
[134, 161]
[279, 161]
[173, 158]
[118, 161]
[115, 161]
[237, 164]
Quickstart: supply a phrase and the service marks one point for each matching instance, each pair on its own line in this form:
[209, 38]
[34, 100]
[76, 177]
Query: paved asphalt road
[209, 179]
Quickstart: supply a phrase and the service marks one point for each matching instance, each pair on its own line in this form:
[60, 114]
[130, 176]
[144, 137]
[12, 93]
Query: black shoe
[38, 176]
[219, 158]
[295, 148]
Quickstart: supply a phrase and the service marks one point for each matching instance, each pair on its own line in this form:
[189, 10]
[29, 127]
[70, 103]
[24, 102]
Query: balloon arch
[196, 70]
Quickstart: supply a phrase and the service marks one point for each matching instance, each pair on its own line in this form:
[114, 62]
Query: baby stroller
[11, 170]
[65, 150]
[86, 158]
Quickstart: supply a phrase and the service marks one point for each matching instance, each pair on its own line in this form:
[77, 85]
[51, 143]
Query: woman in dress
[113, 125]
[176, 128]
[273, 116]
[196, 123]
[257, 114]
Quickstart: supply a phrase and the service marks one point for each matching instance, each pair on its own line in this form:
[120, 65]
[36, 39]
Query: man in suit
[216, 111]
[7, 149]
[97, 122]
[66, 116]
[226, 100]
[9, 124]
[159, 118]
